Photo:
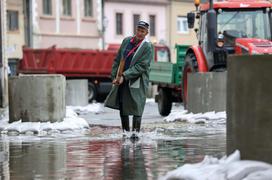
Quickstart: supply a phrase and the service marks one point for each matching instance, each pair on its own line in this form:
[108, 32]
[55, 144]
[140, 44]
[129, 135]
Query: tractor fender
[200, 57]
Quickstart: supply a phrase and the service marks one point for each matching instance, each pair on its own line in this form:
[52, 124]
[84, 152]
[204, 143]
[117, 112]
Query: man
[129, 91]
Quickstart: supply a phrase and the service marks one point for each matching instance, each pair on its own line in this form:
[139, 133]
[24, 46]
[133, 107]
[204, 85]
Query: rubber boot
[136, 126]
[125, 123]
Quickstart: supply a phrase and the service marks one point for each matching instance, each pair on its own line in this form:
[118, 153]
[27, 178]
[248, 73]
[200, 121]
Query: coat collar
[139, 51]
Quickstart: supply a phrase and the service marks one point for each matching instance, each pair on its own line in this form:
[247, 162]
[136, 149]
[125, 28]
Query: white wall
[76, 31]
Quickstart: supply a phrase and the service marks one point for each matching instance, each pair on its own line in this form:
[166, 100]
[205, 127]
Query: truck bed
[69, 62]
[167, 73]
[162, 72]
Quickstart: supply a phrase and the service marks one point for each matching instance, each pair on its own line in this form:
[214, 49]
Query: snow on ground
[96, 108]
[150, 101]
[70, 122]
[226, 168]
[208, 117]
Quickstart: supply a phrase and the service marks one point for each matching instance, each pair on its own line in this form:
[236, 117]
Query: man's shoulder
[125, 41]
[148, 44]
[127, 38]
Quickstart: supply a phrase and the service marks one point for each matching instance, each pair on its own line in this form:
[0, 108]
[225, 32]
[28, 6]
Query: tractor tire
[190, 66]
[92, 92]
[164, 102]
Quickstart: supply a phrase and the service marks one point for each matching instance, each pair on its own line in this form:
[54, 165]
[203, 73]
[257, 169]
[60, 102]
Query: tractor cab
[245, 28]
[232, 27]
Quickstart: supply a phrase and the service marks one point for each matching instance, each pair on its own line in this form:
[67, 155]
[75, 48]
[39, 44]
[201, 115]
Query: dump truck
[167, 76]
[226, 27]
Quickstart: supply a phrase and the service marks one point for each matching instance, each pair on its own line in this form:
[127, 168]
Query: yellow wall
[179, 8]
[15, 40]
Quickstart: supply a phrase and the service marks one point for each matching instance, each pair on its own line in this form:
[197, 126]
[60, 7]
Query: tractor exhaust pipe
[211, 4]
[212, 27]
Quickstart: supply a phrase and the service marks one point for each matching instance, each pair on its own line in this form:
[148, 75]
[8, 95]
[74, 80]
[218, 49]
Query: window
[163, 55]
[119, 23]
[136, 19]
[67, 7]
[152, 21]
[244, 23]
[47, 7]
[88, 8]
[12, 20]
[12, 66]
[182, 25]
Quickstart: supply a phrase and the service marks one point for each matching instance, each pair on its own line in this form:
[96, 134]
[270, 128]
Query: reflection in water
[88, 157]
[4, 165]
[37, 160]
[107, 160]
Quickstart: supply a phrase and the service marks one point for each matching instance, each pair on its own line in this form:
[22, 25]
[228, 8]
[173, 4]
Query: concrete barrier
[77, 92]
[37, 98]
[207, 92]
[249, 107]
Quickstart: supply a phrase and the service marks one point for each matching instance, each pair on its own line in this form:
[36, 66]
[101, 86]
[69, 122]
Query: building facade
[167, 19]
[121, 17]
[15, 32]
[67, 23]
[44, 23]
[178, 31]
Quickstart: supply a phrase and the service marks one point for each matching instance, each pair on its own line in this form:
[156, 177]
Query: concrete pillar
[249, 103]
[77, 92]
[3, 56]
[207, 92]
[37, 98]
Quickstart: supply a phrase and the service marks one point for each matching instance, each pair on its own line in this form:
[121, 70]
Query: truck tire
[164, 102]
[190, 66]
[92, 92]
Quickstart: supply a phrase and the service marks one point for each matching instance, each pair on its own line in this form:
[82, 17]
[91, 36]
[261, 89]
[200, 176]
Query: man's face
[141, 33]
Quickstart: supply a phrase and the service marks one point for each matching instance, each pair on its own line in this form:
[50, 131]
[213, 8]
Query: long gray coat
[134, 96]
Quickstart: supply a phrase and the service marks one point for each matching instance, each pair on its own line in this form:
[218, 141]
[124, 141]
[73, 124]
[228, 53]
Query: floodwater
[102, 153]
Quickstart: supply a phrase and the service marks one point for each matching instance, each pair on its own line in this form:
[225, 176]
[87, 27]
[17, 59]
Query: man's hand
[118, 81]
[121, 80]
[114, 82]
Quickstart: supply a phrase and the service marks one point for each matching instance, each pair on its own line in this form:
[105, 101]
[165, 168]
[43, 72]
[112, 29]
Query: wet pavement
[111, 117]
[102, 153]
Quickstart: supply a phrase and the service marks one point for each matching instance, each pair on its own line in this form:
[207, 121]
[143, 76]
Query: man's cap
[220, 37]
[143, 24]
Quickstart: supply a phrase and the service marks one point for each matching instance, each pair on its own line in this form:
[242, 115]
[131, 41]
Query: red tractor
[227, 27]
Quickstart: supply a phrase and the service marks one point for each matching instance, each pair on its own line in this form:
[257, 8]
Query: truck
[167, 77]
[93, 65]
[226, 27]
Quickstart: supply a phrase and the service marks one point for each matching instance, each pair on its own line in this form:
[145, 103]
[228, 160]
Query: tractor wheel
[92, 92]
[190, 66]
[164, 102]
